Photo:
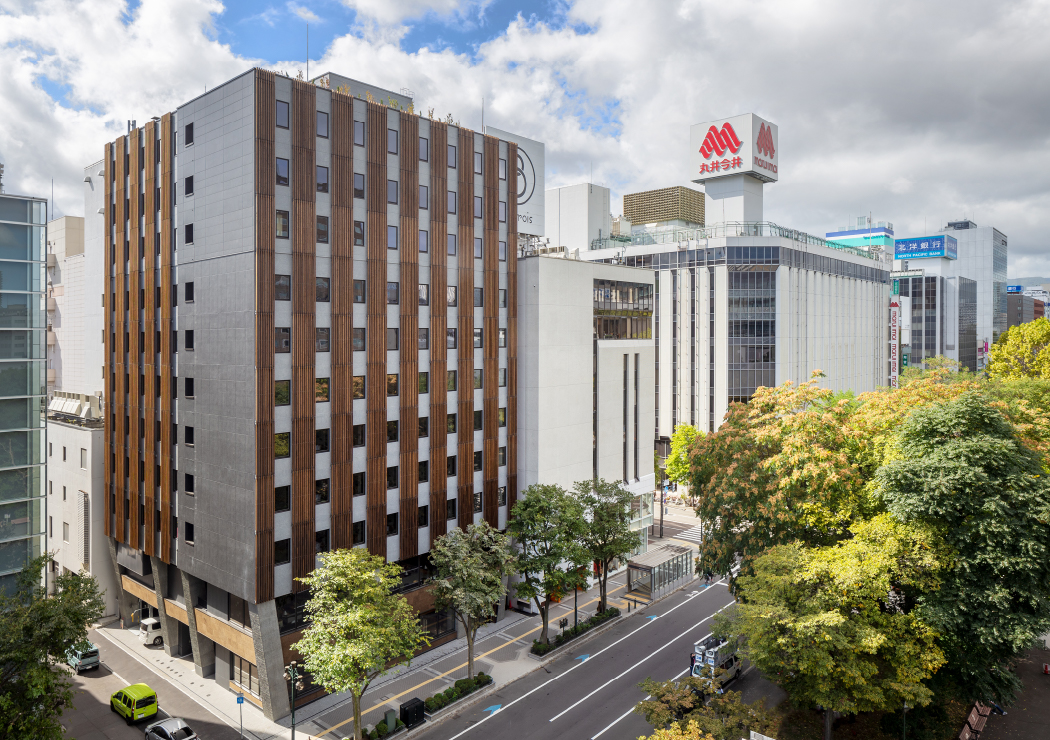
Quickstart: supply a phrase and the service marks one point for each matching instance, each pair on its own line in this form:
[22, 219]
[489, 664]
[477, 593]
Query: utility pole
[291, 673]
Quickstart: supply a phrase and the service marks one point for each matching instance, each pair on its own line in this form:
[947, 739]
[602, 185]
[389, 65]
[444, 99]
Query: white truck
[720, 655]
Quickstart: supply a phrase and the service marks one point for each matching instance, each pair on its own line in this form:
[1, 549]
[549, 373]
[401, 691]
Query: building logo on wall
[530, 180]
[924, 247]
[765, 142]
[719, 142]
[741, 145]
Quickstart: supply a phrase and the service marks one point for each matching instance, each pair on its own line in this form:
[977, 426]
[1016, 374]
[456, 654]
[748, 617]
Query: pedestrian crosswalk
[694, 534]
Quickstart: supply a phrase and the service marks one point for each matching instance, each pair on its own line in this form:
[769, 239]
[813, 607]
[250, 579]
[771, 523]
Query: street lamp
[295, 679]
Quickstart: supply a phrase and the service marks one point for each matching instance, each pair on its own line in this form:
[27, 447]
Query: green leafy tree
[547, 527]
[36, 630]
[606, 534]
[471, 567]
[358, 629]
[964, 474]
[832, 625]
[726, 716]
[678, 461]
[1022, 352]
[669, 701]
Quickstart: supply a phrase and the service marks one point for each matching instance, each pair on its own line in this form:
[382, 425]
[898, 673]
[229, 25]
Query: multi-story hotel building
[310, 344]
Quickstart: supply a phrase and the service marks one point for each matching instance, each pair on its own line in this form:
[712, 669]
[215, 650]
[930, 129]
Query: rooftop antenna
[307, 52]
[482, 115]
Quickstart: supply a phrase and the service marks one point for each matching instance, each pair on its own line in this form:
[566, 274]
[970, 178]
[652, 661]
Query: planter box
[459, 702]
[576, 641]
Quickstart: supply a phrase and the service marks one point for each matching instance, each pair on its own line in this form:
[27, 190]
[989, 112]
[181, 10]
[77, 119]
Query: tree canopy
[677, 465]
[606, 532]
[1023, 351]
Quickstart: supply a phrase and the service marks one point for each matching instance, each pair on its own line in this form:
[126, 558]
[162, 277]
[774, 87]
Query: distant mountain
[1028, 282]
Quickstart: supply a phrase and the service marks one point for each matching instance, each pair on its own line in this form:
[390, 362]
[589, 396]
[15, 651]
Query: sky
[915, 112]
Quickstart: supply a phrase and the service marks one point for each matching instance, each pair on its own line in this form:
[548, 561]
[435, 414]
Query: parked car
[149, 632]
[172, 728]
[83, 657]
[135, 702]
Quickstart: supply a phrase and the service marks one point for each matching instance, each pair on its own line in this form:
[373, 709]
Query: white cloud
[304, 13]
[917, 112]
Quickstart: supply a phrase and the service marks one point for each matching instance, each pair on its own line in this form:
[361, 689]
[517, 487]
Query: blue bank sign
[926, 246]
[1015, 289]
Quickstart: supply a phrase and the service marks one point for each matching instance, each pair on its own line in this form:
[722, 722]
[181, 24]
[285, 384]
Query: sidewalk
[501, 650]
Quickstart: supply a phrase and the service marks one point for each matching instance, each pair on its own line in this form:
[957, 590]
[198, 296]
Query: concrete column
[269, 659]
[169, 627]
[124, 599]
[203, 648]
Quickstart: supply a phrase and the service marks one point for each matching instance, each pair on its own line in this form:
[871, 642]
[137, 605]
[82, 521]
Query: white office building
[576, 215]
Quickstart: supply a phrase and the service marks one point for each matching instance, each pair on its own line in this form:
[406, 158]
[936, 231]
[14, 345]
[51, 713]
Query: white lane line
[687, 600]
[647, 657]
[624, 715]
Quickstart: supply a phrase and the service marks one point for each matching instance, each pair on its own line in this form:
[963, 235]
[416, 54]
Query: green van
[134, 703]
[83, 657]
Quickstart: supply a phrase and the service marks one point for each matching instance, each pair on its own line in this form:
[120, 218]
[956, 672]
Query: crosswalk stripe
[696, 534]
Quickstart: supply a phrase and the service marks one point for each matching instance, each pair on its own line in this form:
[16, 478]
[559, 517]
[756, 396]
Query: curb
[557, 652]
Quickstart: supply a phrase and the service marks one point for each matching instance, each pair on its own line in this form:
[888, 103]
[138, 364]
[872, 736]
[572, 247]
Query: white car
[149, 632]
[172, 728]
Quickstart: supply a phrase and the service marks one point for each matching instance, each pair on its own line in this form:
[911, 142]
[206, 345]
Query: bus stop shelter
[659, 571]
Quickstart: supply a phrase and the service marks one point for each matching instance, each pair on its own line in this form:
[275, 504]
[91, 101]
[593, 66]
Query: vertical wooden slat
[265, 233]
[149, 326]
[167, 334]
[512, 327]
[375, 329]
[465, 263]
[438, 326]
[134, 362]
[409, 366]
[341, 239]
[304, 322]
[119, 400]
[491, 327]
[108, 370]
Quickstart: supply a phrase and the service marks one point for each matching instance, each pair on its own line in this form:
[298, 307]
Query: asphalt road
[590, 691]
[91, 718]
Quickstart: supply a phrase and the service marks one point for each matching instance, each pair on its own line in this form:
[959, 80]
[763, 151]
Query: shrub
[381, 729]
[464, 685]
[398, 724]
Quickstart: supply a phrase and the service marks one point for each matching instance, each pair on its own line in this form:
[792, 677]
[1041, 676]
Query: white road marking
[694, 534]
[687, 600]
[624, 715]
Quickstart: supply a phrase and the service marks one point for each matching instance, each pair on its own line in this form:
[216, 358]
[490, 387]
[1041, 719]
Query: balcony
[52, 304]
[52, 338]
[52, 260]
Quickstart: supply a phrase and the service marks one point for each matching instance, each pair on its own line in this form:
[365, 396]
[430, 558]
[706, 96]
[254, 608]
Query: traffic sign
[240, 698]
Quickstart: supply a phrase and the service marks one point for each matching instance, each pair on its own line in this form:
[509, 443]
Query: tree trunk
[603, 582]
[829, 717]
[471, 634]
[543, 618]
[358, 731]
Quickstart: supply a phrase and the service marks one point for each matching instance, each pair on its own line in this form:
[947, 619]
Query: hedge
[539, 648]
[458, 690]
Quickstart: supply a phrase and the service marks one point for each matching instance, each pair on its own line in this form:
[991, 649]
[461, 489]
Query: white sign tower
[733, 158]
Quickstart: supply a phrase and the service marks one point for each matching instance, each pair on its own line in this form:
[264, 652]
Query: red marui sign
[764, 146]
[718, 142]
[741, 145]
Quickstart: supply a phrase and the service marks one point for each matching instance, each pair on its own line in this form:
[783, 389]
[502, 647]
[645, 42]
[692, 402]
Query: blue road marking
[494, 708]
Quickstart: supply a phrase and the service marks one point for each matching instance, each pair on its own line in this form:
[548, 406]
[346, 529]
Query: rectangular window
[391, 237]
[391, 141]
[501, 417]
[189, 339]
[282, 553]
[189, 233]
[323, 290]
[282, 444]
[478, 502]
[282, 339]
[501, 336]
[322, 229]
[503, 251]
[323, 339]
[501, 495]
[502, 297]
[322, 389]
[478, 460]
[478, 211]
[359, 234]
[502, 375]
[501, 457]
[391, 522]
[359, 484]
[282, 225]
[477, 165]
[424, 198]
[424, 241]
[189, 436]
[322, 124]
[321, 440]
[391, 430]
[503, 169]
[189, 134]
[450, 466]
[282, 171]
[358, 339]
[391, 385]
[424, 427]
[321, 541]
[424, 149]
[359, 291]
[478, 334]
[479, 252]
[479, 297]
[424, 294]
[451, 241]
[452, 156]
[187, 291]
[359, 185]
[189, 484]
[359, 435]
[282, 287]
[424, 382]
[424, 338]
[451, 201]
[282, 498]
[83, 452]
[392, 340]
[424, 511]
[282, 114]
[189, 185]
[479, 378]
[322, 491]
[393, 293]
[479, 420]
[451, 424]
[451, 386]
[502, 211]
[187, 385]
[359, 133]
[359, 533]
[391, 191]
[359, 386]
[391, 477]
[452, 293]
[450, 338]
[322, 179]
[450, 509]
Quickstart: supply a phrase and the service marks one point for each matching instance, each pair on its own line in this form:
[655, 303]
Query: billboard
[895, 342]
[531, 183]
[921, 247]
[741, 145]
[1015, 289]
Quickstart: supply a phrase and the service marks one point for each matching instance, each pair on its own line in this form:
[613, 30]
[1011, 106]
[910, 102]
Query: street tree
[36, 630]
[964, 474]
[833, 625]
[1022, 352]
[606, 531]
[678, 462]
[471, 569]
[669, 701]
[358, 628]
[675, 731]
[547, 527]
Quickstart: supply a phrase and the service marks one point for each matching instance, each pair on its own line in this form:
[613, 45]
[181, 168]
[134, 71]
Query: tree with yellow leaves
[1022, 352]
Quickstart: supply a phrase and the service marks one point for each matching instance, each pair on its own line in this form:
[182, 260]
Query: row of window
[323, 339]
[323, 292]
[282, 444]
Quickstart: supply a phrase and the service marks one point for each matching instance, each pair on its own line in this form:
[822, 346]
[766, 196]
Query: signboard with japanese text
[922, 247]
[895, 342]
[530, 180]
[741, 145]
[1015, 289]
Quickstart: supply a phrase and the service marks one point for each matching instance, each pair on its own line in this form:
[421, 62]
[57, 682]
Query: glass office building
[23, 382]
